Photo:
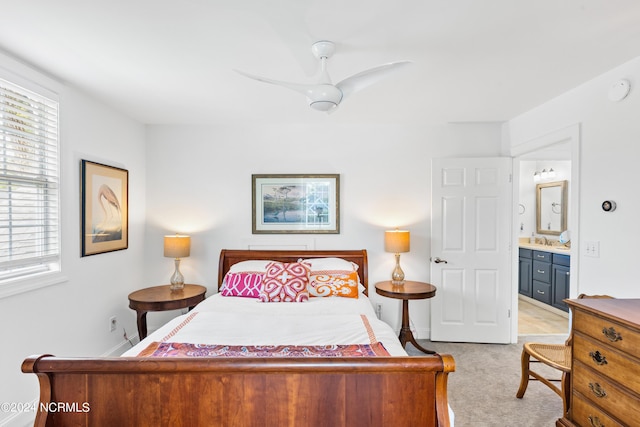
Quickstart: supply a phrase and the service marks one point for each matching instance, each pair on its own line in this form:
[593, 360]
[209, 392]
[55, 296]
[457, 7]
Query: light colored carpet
[482, 390]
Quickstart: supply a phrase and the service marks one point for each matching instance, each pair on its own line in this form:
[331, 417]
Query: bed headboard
[228, 257]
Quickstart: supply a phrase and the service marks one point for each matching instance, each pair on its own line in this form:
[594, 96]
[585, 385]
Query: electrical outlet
[379, 311]
[113, 323]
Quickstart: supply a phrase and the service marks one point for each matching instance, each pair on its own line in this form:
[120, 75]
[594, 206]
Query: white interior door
[471, 250]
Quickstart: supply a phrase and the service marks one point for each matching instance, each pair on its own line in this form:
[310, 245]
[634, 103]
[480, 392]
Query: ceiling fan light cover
[324, 97]
[323, 105]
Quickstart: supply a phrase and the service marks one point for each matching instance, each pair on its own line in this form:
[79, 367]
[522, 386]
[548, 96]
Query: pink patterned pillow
[285, 282]
[242, 285]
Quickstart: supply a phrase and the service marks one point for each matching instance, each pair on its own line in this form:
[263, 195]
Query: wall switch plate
[379, 311]
[591, 249]
[113, 323]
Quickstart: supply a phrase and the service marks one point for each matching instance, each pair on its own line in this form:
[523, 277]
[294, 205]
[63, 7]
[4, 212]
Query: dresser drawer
[613, 364]
[525, 253]
[585, 414]
[561, 259]
[542, 256]
[541, 291]
[607, 395]
[607, 332]
[542, 271]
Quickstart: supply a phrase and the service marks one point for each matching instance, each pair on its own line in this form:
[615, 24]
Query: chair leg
[566, 391]
[524, 381]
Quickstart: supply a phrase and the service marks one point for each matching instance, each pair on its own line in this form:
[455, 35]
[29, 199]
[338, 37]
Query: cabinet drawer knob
[595, 421]
[597, 390]
[541, 271]
[598, 358]
[540, 292]
[611, 334]
[567, 273]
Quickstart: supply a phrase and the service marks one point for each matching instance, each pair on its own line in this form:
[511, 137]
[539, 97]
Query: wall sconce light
[397, 241]
[177, 247]
[545, 174]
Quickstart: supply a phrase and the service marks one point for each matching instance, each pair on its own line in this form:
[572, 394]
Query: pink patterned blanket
[173, 349]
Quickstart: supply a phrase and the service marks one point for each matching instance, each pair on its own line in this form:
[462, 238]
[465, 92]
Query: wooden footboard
[381, 391]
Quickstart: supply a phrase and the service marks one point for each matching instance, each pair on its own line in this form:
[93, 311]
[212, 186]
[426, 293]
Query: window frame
[34, 277]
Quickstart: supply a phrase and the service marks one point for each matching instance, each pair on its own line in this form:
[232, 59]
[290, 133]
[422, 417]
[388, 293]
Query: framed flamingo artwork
[105, 208]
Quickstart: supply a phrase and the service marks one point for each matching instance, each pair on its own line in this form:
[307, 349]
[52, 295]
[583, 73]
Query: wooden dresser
[605, 375]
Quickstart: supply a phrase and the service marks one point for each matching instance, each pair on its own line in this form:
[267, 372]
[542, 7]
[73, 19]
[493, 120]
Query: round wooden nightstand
[410, 290]
[162, 298]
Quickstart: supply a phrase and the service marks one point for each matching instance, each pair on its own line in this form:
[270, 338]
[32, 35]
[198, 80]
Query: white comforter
[246, 321]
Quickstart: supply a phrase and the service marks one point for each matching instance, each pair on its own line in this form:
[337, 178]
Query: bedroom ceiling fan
[324, 95]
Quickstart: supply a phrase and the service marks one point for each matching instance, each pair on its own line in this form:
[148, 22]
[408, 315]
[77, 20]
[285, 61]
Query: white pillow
[331, 264]
[252, 266]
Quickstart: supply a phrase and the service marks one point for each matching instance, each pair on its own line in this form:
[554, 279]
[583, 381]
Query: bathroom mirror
[551, 204]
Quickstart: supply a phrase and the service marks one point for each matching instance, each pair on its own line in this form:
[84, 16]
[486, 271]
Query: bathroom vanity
[544, 274]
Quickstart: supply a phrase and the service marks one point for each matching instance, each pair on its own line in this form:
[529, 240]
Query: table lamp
[397, 241]
[177, 247]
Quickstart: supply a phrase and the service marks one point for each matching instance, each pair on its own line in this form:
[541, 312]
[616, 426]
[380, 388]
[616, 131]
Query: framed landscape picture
[303, 204]
[105, 208]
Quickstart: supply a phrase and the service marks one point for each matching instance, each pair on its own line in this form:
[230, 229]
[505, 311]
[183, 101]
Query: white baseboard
[20, 419]
[123, 346]
[422, 334]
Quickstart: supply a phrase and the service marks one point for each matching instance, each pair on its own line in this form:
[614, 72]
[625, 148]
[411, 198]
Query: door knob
[437, 260]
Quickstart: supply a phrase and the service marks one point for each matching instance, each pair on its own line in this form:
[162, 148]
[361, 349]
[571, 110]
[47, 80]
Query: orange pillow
[338, 284]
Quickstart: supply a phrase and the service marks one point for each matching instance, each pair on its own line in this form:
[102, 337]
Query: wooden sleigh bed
[240, 391]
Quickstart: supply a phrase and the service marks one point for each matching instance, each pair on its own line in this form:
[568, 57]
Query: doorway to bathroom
[545, 160]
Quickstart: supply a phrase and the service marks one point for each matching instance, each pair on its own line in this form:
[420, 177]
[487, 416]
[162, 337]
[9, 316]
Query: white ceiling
[172, 61]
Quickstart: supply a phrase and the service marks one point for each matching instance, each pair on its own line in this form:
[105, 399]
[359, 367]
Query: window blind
[29, 183]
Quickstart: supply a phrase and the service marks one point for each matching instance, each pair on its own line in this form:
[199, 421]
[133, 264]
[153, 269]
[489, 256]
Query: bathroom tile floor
[533, 320]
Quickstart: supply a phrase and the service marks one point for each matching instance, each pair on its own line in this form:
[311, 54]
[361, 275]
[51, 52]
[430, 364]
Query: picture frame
[295, 204]
[104, 205]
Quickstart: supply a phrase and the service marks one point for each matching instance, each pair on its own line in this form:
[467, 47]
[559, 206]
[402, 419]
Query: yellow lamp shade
[396, 241]
[177, 246]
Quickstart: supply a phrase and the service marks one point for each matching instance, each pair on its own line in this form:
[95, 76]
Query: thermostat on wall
[619, 90]
[608, 206]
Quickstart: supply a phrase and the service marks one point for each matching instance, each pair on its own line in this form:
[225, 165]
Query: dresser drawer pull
[598, 358]
[595, 421]
[541, 271]
[540, 292]
[611, 334]
[597, 390]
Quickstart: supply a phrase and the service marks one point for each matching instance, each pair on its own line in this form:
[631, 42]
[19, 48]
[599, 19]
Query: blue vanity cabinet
[542, 276]
[525, 280]
[560, 280]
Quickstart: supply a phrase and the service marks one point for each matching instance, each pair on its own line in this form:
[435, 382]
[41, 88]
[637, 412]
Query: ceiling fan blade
[298, 87]
[368, 77]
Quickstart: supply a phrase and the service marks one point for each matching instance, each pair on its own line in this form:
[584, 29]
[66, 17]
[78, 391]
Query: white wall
[71, 318]
[200, 183]
[609, 150]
